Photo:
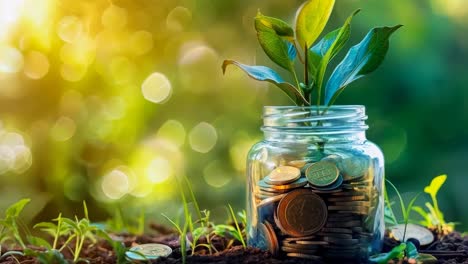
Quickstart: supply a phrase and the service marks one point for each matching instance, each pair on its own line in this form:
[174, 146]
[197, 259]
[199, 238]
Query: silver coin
[418, 232]
[283, 175]
[148, 251]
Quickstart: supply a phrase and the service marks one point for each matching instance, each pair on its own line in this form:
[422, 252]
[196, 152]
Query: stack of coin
[319, 210]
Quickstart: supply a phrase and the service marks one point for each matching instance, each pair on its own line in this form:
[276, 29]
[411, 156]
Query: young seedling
[9, 227]
[433, 217]
[405, 249]
[283, 45]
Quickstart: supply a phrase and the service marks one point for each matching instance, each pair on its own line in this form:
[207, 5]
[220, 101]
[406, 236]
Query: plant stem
[296, 79]
[306, 68]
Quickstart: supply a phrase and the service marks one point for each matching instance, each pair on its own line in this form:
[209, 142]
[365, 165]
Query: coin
[289, 239]
[341, 241]
[347, 208]
[270, 237]
[148, 251]
[297, 163]
[282, 188]
[304, 256]
[424, 235]
[350, 193]
[336, 230]
[346, 199]
[331, 187]
[354, 166]
[271, 200]
[301, 213]
[283, 175]
[293, 244]
[354, 203]
[336, 235]
[298, 250]
[322, 173]
[312, 243]
[344, 224]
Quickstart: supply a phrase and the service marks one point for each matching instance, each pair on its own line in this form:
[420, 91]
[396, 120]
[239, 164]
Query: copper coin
[270, 237]
[304, 256]
[301, 213]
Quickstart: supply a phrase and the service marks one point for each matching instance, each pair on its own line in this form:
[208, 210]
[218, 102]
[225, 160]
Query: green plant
[9, 227]
[404, 249]
[433, 217]
[283, 44]
[229, 231]
[118, 223]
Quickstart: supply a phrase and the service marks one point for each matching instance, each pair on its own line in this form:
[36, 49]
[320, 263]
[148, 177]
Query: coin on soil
[322, 173]
[283, 175]
[148, 251]
[424, 235]
[301, 213]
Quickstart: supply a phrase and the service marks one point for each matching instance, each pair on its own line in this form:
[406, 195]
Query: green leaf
[361, 59]
[262, 73]
[326, 49]
[384, 258]
[280, 27]
[435, 185]
[37, 241]
[273, 44]
[15, 209]
[311, 19]
[425, 259]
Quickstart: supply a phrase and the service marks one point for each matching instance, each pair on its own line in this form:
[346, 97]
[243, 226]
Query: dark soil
[451, 249]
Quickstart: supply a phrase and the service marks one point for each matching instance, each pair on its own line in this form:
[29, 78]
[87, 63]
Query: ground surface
[452, 249]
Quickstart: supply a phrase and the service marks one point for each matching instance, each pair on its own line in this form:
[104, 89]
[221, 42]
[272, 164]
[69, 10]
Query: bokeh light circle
[203, 137]
[179, 19]
[11, 59]
[63, 129]
[115, 184]
[114, 17]
[174, 131]
[156, 88]
[159, 170]
[69, 28]
[140, 42]
[36, 65]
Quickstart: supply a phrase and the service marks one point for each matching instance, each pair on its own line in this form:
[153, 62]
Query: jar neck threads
[315, 124]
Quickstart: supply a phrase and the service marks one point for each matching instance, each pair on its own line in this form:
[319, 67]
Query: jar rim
[318, 120]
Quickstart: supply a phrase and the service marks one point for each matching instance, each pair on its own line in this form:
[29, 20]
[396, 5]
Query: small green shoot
[238, 234]
[9, 227]
[433, 217]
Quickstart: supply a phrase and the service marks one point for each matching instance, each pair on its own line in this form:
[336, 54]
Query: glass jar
[315, 185]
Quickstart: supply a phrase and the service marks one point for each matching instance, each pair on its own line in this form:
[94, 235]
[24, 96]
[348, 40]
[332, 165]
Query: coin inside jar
[322, 173]
[283, 175]
[301, 213]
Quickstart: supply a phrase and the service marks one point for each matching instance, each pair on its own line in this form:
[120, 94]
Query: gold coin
[283, 175]
[322, 173]
[270, 237]
[271, 200]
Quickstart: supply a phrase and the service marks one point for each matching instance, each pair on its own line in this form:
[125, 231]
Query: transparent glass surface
[315, 185]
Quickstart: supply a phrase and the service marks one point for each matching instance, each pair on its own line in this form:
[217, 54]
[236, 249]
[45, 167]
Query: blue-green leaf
[275, 47]
[361, 59]
[411, 250]
[291, 51]
[327, 48]
[262, 73]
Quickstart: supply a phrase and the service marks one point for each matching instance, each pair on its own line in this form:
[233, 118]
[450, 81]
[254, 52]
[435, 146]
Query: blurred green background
[108, 101]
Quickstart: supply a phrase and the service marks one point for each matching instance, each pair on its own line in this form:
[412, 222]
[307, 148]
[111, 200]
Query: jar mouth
[316, 120]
